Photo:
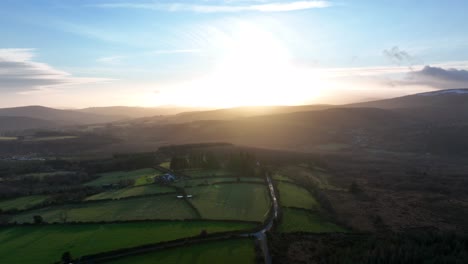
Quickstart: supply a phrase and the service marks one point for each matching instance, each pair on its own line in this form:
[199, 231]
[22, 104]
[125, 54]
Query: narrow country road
[260, 235]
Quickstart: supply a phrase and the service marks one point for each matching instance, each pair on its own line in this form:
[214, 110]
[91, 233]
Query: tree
[63, 216]
[38, 219]
[203, 233]
[355, 188]
[66, 257]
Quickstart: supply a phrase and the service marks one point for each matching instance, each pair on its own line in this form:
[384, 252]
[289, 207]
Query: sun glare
[255, 69]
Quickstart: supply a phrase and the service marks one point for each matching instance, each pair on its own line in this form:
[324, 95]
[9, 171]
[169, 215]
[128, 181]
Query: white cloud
[20, 74]
[174, 51]
[111, 60]
[222, 8]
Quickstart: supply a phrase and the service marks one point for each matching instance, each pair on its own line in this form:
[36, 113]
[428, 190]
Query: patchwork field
[226, 252]
[281, 177]
[8, 138]
[195, 182]
[206, 172]
[142, 176]
[240, 201]
[157, 207]
[22, 203]
[296, 220]
[42, 175]
[131, 191]
[45, 244]
[292, 195]
[50, 138]
[166, 164]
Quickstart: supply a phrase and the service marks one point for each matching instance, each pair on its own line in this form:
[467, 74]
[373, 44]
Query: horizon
[224, 54]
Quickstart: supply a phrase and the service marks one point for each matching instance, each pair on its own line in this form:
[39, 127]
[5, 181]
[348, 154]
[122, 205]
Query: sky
[227, 53]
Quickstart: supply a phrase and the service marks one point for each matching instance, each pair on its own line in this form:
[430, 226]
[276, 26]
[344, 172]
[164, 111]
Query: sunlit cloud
[113, 60]
[20, 74]
[227, 7]
[174, 51]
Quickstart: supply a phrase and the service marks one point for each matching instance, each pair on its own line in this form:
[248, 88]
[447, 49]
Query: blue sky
[226, 53]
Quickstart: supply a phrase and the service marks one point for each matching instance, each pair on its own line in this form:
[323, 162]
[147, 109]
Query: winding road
[260, 235]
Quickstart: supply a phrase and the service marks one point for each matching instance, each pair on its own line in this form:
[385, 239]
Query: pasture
[142, 176]
[206, 181]
[8, 138]
[227, 252]
[166, 164]
[52, 138]
[45, 244]
[208, 172]
[292, 195]
[281, 177]
[296, 220]
[239, 201]
[22, 203]
[131, 192]
[156, 207]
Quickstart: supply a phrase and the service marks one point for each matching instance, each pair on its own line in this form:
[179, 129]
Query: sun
[255, 69]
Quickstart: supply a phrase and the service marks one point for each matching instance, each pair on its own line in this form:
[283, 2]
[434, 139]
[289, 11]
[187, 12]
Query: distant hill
[59, 117]
[441, 98]
[136, 112]
[236, 113]
[297, 130]
[443, 106]
[21, 123]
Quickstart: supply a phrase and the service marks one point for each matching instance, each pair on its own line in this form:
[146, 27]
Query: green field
[281, 177]
[50, 138]
[226, 252]
[296, 220]
[8, 138]
[156, 207]
[292, 195]
[196, 181]
[207, 172]
[22, 203]
[45, 244]
[240, 201]
[142, 176]
[41, 175]
[131, 191]
[166, 164]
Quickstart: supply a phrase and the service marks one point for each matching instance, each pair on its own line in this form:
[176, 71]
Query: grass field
[131, 191]
[294, 196]
[45, 244]
[8, 138]
[240, 201]
[22, 202]
[142, 176]
[295, 220]
[226, 252]
[157, 207]
[207, 172]
[281, 177]
[41, 175]
[195, 181]
[50, 138]
[166, 164]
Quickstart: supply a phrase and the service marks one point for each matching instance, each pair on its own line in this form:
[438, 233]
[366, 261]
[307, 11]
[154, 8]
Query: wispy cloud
[19, 73]
[113, 60]
[174, 51]
[227, 7]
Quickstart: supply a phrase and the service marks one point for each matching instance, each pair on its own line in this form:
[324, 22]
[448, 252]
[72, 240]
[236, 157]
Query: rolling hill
[59, 117]
[21, 123]
[441, 107]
